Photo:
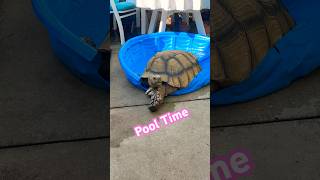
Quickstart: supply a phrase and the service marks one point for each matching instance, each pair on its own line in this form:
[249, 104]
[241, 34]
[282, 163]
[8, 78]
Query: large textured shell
[177, 68]
[244, 31]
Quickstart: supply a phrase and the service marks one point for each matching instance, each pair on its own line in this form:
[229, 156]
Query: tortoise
[166, 72]
[243, 33]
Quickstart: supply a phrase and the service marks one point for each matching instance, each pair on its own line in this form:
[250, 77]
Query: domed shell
[176, 68]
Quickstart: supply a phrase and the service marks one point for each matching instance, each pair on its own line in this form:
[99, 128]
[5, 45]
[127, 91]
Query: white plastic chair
[118, 15]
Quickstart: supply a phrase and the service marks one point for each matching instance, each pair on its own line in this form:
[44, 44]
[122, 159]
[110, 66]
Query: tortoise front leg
[157, 98]
[155, 101]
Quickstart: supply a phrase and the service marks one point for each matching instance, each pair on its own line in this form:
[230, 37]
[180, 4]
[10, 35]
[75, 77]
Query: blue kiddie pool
[136, 53]
[68, 23]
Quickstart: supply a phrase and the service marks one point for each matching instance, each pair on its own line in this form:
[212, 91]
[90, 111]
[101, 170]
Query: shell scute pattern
[176, 68]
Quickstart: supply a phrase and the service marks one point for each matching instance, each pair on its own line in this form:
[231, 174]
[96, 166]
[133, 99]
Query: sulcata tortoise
[167, 72]
[243, 32]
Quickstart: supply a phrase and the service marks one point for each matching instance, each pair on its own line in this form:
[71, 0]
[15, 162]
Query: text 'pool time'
[164, 120]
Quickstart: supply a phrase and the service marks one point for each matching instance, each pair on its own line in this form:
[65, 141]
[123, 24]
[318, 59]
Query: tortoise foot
[153, 108]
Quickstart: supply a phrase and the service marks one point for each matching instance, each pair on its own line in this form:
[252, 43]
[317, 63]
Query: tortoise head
[154, 80]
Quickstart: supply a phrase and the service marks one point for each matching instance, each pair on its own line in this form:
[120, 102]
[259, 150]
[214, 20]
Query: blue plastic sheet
[294, 56]
[136, 53]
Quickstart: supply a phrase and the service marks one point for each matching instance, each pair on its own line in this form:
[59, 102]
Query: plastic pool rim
[131, 74]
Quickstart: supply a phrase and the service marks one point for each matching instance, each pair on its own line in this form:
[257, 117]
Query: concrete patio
[180, 151]
[52, 125]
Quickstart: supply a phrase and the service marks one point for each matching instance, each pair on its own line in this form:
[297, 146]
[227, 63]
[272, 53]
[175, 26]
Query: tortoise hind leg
[169, 90]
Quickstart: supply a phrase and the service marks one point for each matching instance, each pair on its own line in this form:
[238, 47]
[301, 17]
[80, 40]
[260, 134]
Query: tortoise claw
[150, 92]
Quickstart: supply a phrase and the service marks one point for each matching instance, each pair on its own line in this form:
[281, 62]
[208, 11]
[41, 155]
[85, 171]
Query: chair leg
[153, 21]
[199, 22]
[120, 27]
[143, 21]
[164, 16]
[114, 23]
[122, 38]
[138, 17]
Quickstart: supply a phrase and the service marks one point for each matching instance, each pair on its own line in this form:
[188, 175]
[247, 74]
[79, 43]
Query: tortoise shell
[243, 33]
[176, 68]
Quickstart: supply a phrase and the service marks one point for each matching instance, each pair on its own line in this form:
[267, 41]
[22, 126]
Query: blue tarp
[294, 56]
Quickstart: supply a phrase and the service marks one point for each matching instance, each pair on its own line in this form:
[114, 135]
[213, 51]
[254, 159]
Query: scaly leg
[155, 101]
[157, 98]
